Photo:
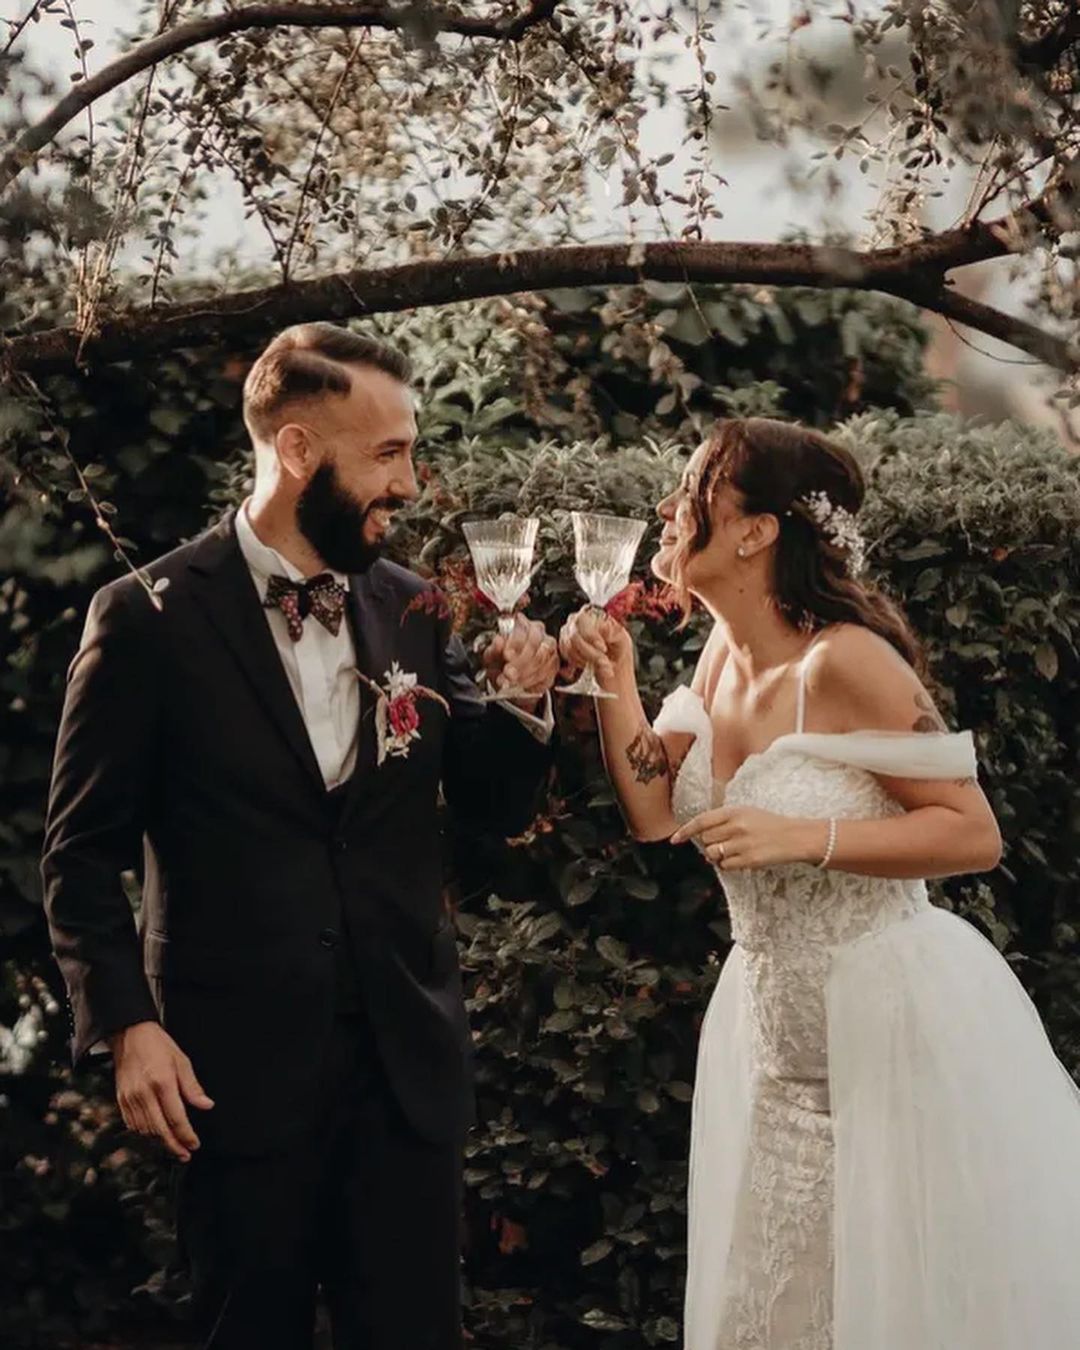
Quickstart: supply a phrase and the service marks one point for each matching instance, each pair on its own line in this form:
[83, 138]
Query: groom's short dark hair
[309, 359]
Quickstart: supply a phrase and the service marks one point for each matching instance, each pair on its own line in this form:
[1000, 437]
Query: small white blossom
[839, 526]
[399, 681]
[17, 1043]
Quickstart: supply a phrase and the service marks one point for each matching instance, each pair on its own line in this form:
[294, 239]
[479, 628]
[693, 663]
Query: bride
[885, 1152]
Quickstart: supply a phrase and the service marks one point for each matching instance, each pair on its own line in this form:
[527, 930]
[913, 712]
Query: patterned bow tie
[321, 596]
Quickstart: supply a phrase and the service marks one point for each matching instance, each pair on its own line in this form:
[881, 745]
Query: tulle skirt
[956, 1193]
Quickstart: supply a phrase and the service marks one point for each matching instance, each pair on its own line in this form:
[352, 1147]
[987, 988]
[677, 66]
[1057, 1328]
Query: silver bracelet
[832, 843]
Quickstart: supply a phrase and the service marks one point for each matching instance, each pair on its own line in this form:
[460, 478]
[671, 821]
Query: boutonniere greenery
[397, 715]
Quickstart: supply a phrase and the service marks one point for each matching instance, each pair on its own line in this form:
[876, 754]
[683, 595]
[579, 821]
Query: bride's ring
[718, 852]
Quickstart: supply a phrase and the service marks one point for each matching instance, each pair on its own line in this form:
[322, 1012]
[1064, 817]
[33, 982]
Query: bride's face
[717, 558]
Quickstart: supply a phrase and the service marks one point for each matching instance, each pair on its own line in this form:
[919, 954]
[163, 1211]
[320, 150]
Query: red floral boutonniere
[397, 717]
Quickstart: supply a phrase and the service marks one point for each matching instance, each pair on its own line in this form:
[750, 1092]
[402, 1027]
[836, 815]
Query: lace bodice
[810, 775]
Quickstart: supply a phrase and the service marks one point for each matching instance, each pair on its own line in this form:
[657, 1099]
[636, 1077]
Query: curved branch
[1026, 337]
[245, 317]
[415, 19]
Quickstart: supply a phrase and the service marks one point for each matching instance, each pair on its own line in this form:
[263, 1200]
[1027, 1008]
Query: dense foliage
[589, 958]
[592, 960]
[471, 147]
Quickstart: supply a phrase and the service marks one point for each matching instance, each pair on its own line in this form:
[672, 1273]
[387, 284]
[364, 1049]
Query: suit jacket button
[329, 937]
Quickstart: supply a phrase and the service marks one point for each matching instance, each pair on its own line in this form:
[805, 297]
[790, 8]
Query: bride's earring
[741, 551]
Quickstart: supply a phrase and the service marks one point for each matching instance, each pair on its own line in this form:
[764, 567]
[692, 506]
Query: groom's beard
[333, 522]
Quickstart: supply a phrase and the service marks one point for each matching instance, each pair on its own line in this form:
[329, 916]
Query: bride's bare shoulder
[858, 679]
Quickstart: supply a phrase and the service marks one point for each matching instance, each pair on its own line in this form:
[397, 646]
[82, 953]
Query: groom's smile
[362, 473]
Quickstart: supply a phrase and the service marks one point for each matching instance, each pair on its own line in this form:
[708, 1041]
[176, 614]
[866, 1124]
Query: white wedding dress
[885, 1151]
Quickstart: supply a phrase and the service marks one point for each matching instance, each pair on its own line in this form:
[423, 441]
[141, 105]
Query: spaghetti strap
[800, 714]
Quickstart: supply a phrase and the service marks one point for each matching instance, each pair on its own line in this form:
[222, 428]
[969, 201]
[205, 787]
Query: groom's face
[364, 472]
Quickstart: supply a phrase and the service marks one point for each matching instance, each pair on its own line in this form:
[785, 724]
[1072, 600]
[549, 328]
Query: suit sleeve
[94, 824]
[495, 766]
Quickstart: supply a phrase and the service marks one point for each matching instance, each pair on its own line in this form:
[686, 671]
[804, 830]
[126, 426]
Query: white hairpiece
[839, 526]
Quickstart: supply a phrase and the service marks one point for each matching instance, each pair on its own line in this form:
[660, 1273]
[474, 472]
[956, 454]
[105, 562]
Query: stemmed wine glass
[604, 549]
[502, 554]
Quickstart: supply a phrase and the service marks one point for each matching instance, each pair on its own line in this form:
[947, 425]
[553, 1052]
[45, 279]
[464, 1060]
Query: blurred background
[275, 157]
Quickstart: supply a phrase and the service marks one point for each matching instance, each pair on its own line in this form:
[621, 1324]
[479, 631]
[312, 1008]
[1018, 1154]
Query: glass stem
[505, 624]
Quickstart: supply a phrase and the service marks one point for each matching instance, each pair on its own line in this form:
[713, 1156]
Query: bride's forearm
[930, 841]
[634, 756]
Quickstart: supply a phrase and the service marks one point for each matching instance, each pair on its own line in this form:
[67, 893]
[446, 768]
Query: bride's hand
[591, 637]
[735, 838]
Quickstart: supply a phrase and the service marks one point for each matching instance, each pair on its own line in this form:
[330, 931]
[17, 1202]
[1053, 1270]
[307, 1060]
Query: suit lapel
[367, 611]
[227, 593]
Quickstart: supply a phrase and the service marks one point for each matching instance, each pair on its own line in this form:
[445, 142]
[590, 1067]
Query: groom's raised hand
[528, 658]
[153, 1080]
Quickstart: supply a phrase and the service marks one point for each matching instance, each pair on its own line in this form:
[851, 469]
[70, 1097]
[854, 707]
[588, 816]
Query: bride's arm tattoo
[646, 756]
[929, 718]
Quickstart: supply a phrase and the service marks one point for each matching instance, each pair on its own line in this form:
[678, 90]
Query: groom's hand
[528, 658]
[153, 1079]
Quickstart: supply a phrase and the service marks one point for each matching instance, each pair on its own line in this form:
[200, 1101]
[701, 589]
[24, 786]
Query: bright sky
[758, 204]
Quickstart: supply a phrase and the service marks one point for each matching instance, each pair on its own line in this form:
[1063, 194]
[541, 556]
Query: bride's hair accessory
[839, 526]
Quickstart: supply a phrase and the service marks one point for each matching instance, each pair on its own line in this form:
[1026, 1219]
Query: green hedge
[591, 961]
[589, 958]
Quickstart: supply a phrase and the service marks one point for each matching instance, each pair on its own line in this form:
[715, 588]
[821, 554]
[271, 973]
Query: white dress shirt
[321, 667]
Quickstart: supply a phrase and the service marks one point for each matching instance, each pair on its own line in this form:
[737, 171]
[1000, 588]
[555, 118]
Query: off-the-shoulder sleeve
[683, 711]
[896, 754]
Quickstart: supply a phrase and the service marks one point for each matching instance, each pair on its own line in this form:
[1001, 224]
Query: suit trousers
[359, 1206]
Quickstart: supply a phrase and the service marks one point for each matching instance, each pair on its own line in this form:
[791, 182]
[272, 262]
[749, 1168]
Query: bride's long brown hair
[775, 466]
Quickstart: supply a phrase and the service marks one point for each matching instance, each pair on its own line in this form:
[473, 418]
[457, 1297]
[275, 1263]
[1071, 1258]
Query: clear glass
[605, 547]
[502, 554]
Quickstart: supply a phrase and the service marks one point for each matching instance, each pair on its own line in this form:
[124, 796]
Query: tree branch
[415, 18]
[17, 26]
[915, 273]
[1055, 351]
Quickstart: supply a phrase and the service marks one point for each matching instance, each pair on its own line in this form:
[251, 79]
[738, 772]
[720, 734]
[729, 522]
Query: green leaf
[570, 301]
[682, 1092]
[665, 1329]
[545, 927]
[582, 891]
[600, 1320]
[642, 888]
[929, 548]
[1046, 661]
[596, 1252]
[167, 420]
[612, 950]
[721, 318]
[689, 329]
[563, 994]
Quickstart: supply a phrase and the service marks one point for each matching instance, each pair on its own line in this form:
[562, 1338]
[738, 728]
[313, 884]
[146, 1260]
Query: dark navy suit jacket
[181, 739]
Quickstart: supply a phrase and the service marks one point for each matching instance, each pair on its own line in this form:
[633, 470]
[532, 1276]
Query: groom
[287, 1015]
